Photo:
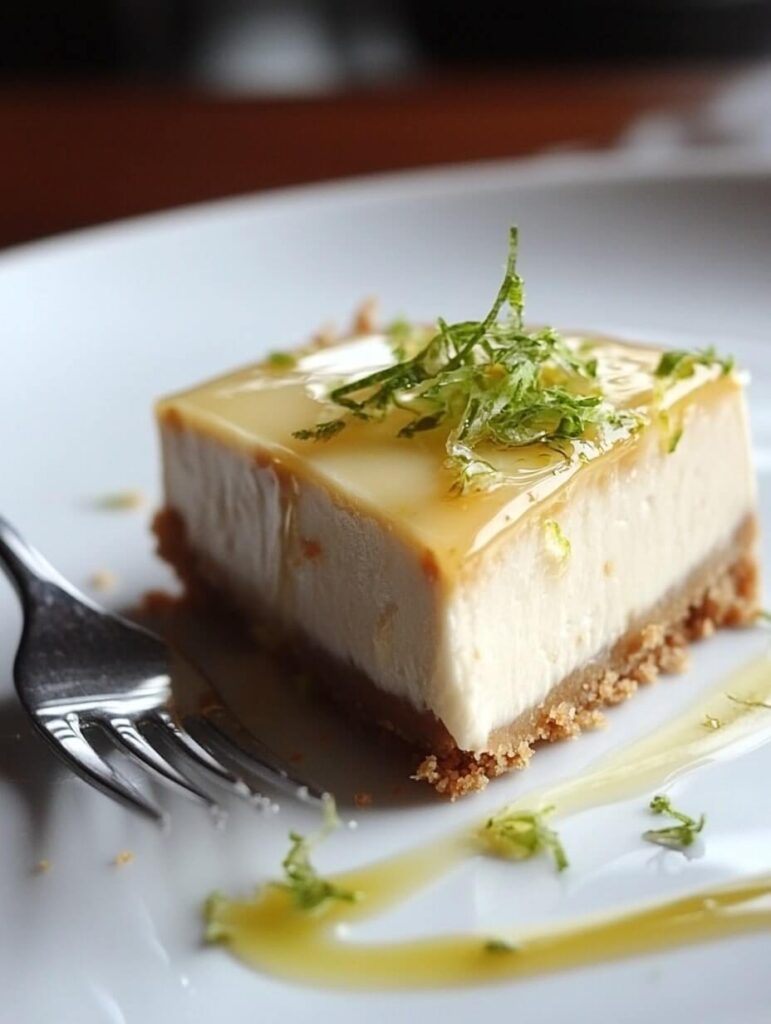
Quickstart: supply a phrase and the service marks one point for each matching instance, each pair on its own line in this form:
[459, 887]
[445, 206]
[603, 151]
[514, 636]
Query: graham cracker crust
[722, 592]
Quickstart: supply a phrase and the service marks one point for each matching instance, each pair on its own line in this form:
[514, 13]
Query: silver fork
[79, 669]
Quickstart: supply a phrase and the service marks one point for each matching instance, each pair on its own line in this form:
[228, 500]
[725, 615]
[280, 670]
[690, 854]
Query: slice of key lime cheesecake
[476, 534]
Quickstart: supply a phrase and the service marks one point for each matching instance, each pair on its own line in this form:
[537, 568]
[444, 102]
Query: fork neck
[23, 564]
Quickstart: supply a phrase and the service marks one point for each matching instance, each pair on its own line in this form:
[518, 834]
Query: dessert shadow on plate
[283, 709]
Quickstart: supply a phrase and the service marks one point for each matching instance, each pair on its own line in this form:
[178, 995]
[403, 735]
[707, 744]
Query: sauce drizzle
[271, 934]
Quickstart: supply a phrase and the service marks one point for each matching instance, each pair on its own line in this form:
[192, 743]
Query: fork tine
[126, 734]
[66, 737]
[187, 747]
[215, 727]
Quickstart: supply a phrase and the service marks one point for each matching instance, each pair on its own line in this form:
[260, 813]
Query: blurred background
[313, 45]
[115, 107]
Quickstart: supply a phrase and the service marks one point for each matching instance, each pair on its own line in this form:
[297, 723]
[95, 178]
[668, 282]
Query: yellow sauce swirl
[270, 933]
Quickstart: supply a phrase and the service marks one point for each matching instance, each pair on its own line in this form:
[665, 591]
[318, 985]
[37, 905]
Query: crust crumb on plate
[103, 580]
[122, 501]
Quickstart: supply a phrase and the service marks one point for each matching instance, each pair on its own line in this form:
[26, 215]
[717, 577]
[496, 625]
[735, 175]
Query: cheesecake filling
[480, 644]
[637, 527]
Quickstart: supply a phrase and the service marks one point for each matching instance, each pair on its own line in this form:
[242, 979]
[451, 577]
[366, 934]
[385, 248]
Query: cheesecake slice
[476, 535]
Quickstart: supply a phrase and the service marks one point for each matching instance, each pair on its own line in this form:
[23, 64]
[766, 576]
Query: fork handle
[23, 564]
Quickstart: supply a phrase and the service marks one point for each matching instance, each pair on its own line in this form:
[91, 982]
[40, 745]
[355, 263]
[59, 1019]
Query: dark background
[110, 108]
[326, 43]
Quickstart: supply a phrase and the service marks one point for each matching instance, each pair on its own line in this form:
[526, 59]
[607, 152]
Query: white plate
[97, 324]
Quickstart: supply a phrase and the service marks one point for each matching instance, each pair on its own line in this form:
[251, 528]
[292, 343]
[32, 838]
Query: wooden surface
[74, 156]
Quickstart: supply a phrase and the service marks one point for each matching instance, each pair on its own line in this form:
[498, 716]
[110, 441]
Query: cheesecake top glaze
[405, 482]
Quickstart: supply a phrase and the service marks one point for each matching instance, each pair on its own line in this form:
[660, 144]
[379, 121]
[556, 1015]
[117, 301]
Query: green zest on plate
[500, 946]
[281, 361]
[750, 703]
[518, 835]
[121, 501]
[673, 837]
[493, 383]
[306, 886]
[307, 889]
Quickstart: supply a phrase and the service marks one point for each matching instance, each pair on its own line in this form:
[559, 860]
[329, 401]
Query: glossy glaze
[404, 481]
[271, 934]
